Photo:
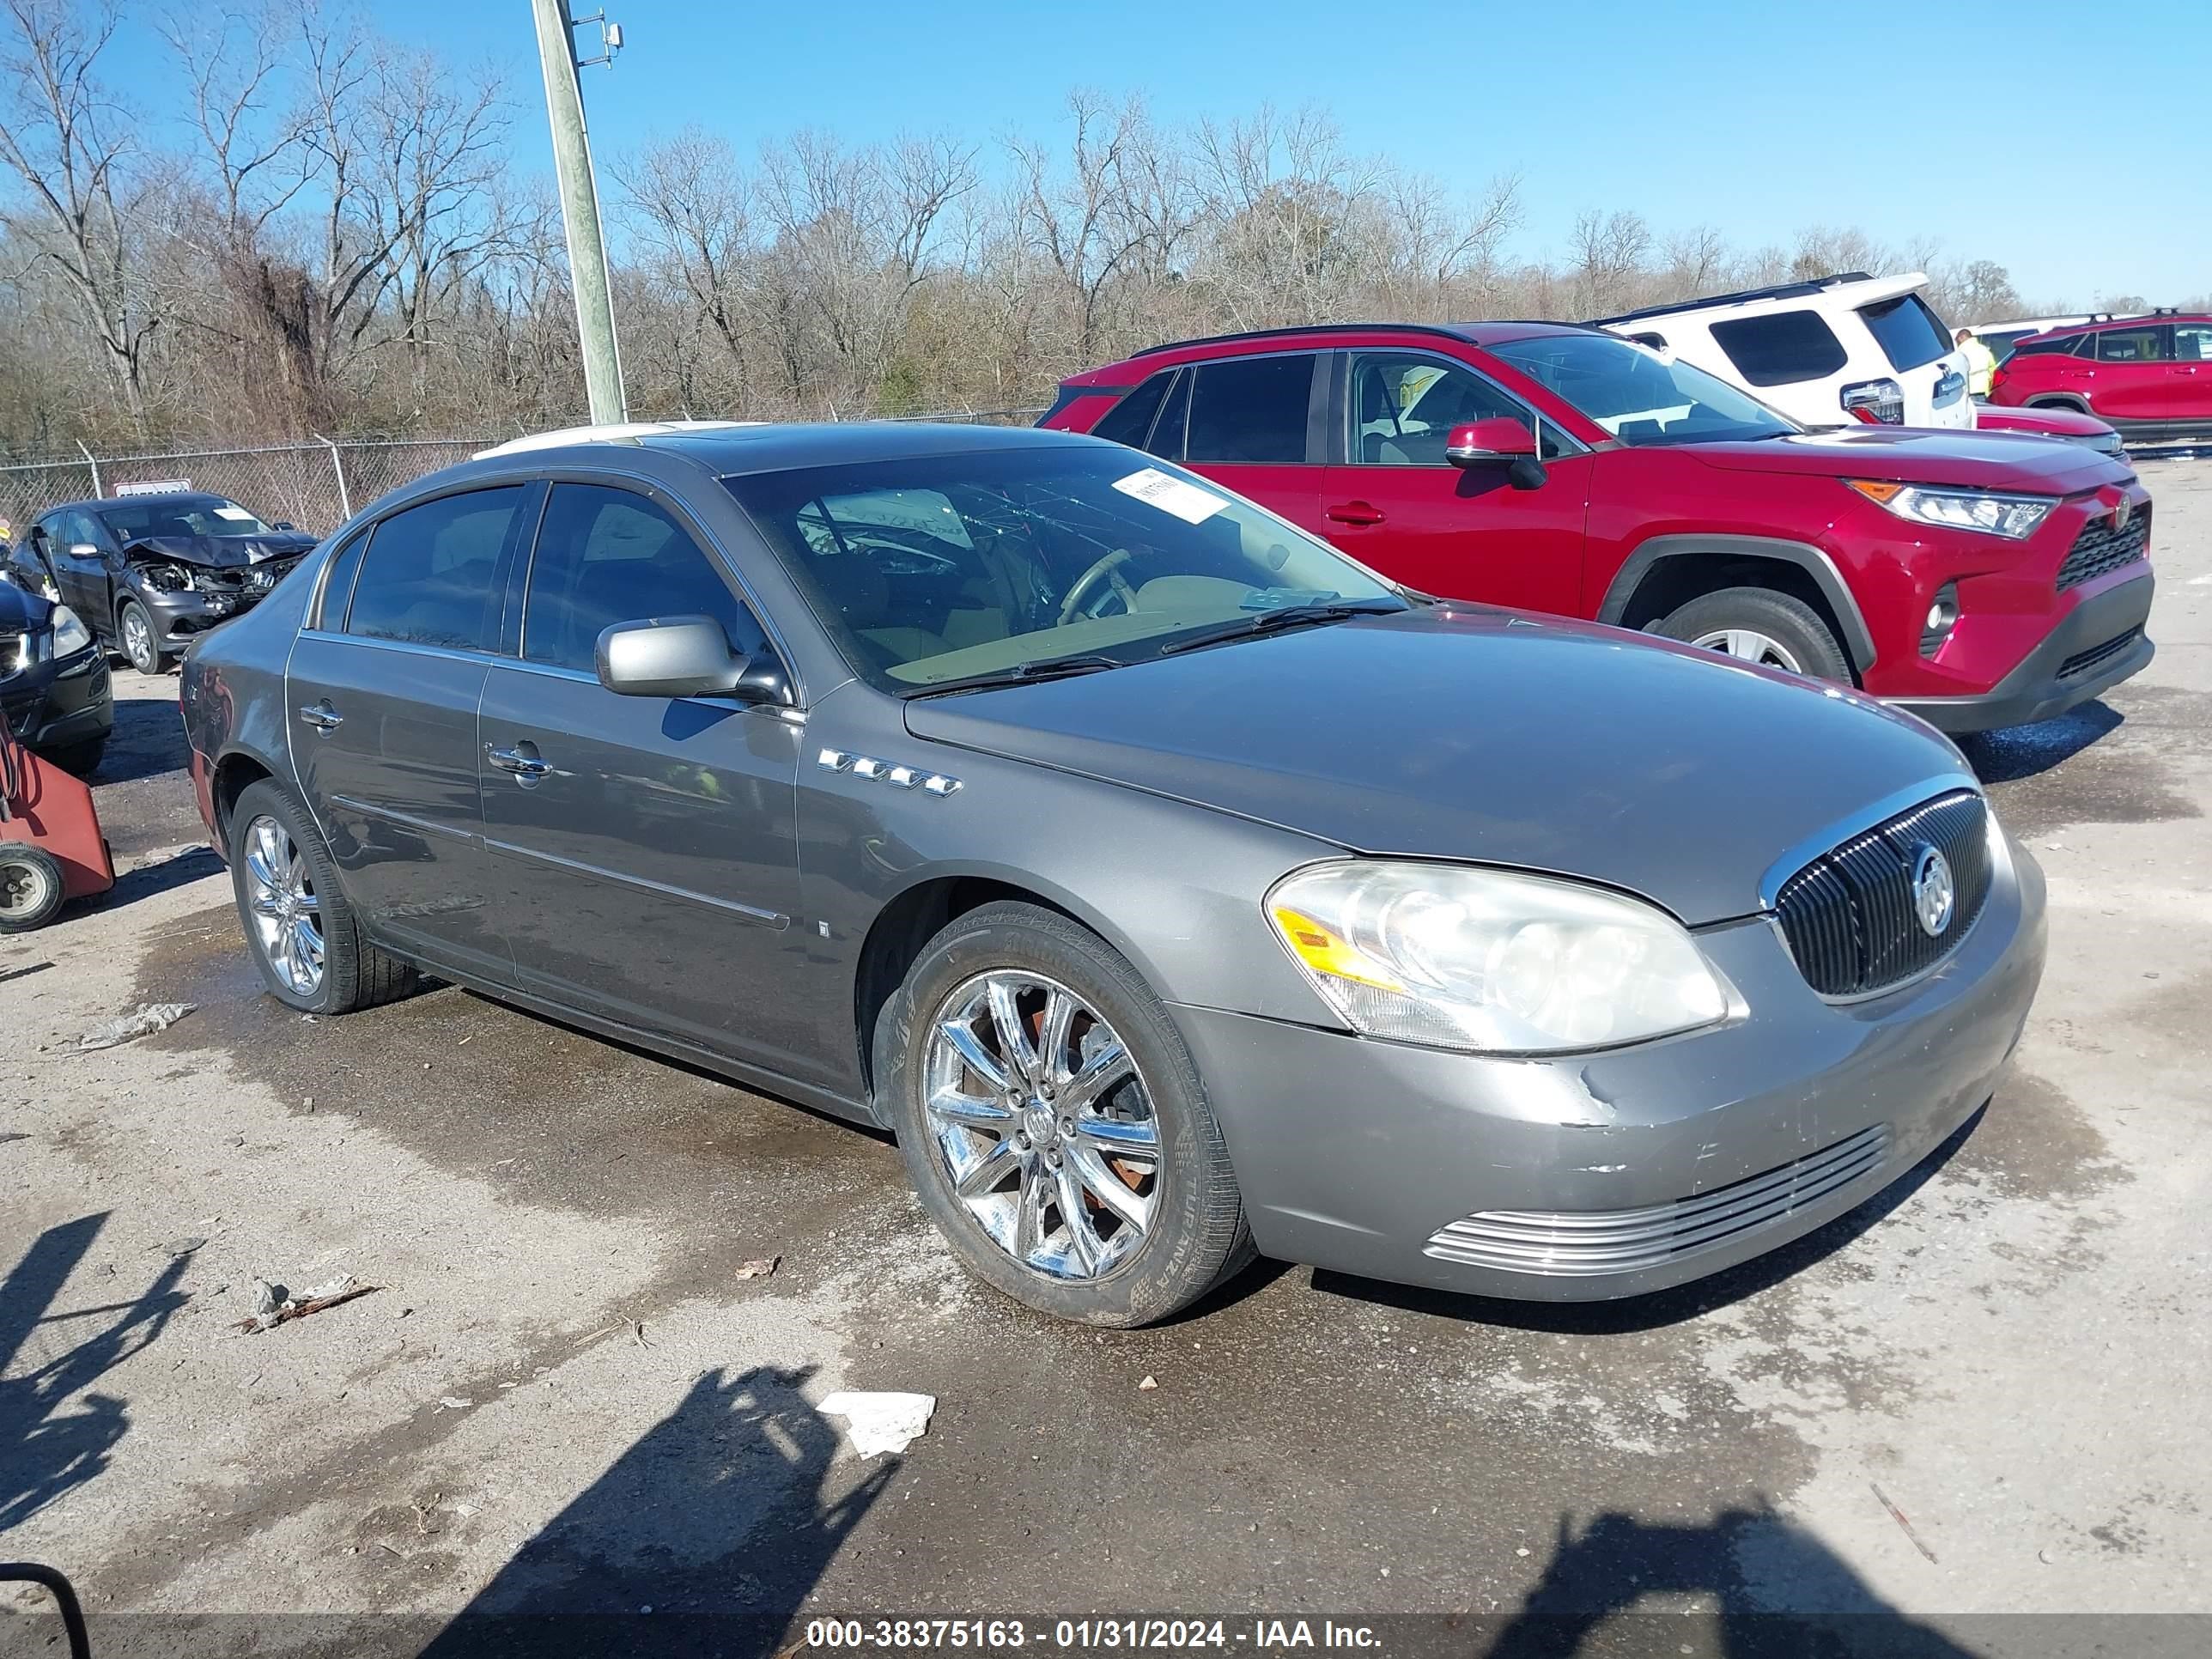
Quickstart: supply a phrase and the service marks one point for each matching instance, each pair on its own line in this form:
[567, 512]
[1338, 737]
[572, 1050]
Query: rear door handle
[1356, 513]
[526, 768]
[324, 719]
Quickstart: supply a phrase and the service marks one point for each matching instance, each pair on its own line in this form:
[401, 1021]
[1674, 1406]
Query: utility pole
[580, 210]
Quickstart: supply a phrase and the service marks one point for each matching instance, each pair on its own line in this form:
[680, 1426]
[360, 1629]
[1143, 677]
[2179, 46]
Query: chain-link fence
[315, 486]
[312, 485]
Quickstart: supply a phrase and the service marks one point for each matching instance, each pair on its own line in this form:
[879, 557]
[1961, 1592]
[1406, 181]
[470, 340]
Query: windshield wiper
[1023, 674]
[1289, 616]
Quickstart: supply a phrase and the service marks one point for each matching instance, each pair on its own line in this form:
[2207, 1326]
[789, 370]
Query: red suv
[1978, 579]
[2149, 377]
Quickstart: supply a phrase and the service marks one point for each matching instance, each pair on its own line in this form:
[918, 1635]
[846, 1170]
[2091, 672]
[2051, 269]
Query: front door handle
[324, 719]
[1356, 513]
[525, 768]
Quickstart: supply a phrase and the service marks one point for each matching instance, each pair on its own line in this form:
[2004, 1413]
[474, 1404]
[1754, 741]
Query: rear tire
[295, 916]
[1173, 1229]
[31, 889]
[1757, 624]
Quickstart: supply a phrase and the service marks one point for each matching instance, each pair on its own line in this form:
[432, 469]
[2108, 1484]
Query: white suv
[1828, 352]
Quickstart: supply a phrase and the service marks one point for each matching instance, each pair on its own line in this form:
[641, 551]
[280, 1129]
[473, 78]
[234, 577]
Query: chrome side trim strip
[407, 820]
[730, 906]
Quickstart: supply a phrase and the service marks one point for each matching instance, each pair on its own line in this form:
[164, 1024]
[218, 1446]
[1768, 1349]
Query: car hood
[20, 611]
[1472, 733]
[222, 552]
[1974, 459]
[2054, 422]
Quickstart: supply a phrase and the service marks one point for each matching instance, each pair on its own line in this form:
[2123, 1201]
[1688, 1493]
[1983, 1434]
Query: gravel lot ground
[564, 1398]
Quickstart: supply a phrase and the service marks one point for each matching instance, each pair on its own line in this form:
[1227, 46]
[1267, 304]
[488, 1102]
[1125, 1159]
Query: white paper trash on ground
[880, 1423]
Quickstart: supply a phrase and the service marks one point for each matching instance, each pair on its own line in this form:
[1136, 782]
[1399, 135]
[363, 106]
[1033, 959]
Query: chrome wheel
[288, 923]
[1042, 1124]
[1750, 645]
[138, 641]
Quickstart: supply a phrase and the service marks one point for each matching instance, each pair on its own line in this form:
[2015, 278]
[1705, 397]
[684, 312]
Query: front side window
[1250, 411]
[2132, 345]
[1782, 347]
[1638, 396]
[939, 569]
[1404, 407]
[1908, 331]
[431, 573]
[607, 557]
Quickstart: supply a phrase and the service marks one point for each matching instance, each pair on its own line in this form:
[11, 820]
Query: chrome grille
[2101, 548]
[1576, 1243]
[1849, 915]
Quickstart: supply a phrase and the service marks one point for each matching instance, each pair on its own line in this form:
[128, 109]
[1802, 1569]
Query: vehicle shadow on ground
[1644, 1313]
[149, 738]
[177, 870]
[2024, 751]
[44, 1450]
[719, 1520]
[1586, 1601]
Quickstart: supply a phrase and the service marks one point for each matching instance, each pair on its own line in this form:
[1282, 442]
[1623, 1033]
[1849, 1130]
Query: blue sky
[1758, 117]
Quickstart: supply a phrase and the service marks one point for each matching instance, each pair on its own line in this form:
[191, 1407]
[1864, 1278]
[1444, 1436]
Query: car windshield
[1002, 563]
[202, 515]
[1641, 396]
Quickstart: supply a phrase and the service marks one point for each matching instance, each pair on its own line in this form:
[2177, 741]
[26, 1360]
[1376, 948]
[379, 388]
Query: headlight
[2013, 516]
[1456, 958]
[70, 634]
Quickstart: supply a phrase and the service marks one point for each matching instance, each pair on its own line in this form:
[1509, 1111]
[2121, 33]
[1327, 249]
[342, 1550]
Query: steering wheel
[1108, 570]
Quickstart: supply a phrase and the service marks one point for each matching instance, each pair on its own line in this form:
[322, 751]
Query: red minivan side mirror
[1499, 438]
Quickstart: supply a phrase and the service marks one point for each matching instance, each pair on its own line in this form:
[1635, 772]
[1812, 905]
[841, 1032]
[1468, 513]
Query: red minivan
[1979, 579]
[2148, 377]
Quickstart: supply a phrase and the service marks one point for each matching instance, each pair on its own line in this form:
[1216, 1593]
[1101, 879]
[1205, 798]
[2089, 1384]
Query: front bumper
[2100, 642]
[53, 705]
[180, 616]
[1698, 1151]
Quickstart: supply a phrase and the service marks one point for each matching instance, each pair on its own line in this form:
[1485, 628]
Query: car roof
[1852, 287]
[157, 497]
[2141, 320]
[1480, 334]
[733, 448]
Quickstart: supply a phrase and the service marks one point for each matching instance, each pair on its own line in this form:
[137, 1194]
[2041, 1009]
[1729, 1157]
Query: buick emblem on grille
[1934, 893]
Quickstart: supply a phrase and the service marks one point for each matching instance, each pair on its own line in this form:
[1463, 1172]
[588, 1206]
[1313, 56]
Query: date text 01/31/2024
[1105, 1635]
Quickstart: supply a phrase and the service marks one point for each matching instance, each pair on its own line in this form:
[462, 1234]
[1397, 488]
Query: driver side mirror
[83, 550]
[284, 524]
[1496, 441]
[676, 656]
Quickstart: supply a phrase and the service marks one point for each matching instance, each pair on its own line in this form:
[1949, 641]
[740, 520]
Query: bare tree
[70, 145]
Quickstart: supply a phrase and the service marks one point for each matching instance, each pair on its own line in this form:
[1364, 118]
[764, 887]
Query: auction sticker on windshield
[1186, 501]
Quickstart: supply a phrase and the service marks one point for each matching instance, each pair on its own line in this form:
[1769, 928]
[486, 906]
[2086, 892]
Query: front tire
[303, 935]
[79, 760]
[1053, 1123]
[140, 643]
[1757, 624]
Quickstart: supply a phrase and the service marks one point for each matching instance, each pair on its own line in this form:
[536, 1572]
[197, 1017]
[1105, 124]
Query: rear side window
[2192, 343]
[338, 583]
[431, 573]
[1250, 411]
[1130, 421]
[1909, 333]
[1781, 347]
[2132, 345]
[2045, 348]
[607, 556]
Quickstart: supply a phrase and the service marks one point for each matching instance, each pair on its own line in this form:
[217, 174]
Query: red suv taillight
[1878, 403]
[1998, 376]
